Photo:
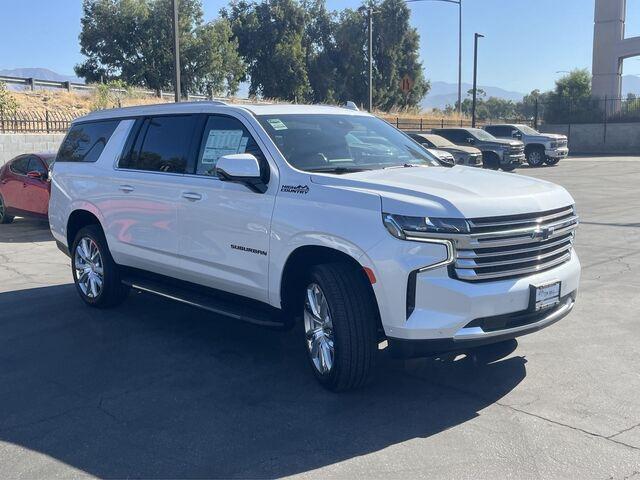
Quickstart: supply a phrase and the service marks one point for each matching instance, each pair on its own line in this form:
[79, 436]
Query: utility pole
[370, 59]
[475, 78]
[176, 50]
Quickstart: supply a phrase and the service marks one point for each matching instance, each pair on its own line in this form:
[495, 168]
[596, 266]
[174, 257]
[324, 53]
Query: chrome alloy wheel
[89, 269]
[318, 329]
[536, 158]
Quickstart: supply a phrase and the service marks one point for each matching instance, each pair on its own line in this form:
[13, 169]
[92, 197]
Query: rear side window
[162, 145]
[85, 141]
[20, 166]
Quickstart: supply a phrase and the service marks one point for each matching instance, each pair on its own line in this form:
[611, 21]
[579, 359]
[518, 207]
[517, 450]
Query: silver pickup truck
[540, 148]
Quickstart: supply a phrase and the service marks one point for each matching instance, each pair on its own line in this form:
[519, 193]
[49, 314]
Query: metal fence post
[397, 122]
[67, 85]
[420, 123]
[46, 119]
[31, 84]
[535, 118]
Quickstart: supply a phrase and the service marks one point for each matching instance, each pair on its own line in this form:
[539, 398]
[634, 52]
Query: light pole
[475, 78]
[176, 50]
[370, 14]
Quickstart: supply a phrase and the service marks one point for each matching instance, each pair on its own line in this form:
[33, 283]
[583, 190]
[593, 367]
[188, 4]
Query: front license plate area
[544, 296]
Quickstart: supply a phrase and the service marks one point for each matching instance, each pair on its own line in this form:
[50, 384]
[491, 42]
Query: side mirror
[35, 174]
[241, 168]
[517, 135]
[471, 140]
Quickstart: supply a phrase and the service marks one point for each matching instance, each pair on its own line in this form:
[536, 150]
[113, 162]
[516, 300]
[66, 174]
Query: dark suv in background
[496, 153]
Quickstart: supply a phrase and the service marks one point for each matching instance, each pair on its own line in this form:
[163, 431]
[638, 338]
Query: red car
[25, 187]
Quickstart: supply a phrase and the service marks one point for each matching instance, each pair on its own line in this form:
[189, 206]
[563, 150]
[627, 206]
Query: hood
[548, 136]
[461, 149]
[458, 192]
[502, 142]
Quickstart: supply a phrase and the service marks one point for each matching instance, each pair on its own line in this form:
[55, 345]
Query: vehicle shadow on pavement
[157, 389]
[25, 230]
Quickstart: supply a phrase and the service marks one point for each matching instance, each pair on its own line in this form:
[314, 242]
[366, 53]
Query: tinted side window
[20, 166]
[225, 136]
[85, 141]
[456, 136]
[495, 131]
[162, 145]
[35, 165]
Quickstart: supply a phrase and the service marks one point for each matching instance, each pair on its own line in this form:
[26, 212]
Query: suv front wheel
[339, 326]
[95, 273]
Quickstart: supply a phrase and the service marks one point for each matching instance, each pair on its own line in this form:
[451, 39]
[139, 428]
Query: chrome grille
[515, 245]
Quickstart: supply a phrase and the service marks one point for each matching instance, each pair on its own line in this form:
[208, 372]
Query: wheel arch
[302, 259]
[77, 220]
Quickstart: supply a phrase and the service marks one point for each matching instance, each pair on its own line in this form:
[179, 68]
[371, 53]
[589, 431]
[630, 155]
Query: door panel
[225, 227]
[141, 209]
[36, 190]
[14, 183]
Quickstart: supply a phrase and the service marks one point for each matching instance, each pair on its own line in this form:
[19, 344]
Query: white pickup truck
[539, 148]
[322, 218]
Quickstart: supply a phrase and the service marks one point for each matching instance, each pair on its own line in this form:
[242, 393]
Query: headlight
[401, 226]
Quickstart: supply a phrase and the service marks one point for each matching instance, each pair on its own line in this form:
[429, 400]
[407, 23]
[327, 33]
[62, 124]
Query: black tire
[536, 157]
[491, 161]
[354, 318]
[4, 217]
[508, 168]
[113, 291]
[552, 162]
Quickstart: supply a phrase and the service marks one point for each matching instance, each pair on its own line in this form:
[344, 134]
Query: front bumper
[561, 152]
[513, 159]
[498, 329]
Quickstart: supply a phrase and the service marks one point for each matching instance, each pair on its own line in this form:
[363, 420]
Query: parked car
[496, 153]
[463, 155]
[25, 186]
[444, 158]
[539, 148]
[274, 214]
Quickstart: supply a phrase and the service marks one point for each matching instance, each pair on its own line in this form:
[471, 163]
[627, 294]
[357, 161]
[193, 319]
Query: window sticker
[223, 142]
[277, 124]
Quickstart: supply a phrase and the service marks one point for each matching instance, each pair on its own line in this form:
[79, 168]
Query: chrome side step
[208, 299]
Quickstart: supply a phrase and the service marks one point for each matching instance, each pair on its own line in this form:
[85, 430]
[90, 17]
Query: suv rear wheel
[95, 273]
[4, 217]
[339, 326]
[536, 157]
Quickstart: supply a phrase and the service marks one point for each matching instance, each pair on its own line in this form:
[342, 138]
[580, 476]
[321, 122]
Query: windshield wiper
[338, 170]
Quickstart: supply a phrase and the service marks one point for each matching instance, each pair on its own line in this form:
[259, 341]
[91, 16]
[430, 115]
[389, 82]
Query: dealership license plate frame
[544, 295]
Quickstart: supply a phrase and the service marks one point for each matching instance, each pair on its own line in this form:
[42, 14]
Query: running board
[231, 306]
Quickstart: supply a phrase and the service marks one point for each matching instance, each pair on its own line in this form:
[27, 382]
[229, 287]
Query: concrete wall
[13, 144]
[612, 138]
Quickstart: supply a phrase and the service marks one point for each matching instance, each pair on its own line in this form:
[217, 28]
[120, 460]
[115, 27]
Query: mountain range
[40, 74]
[440, 95]
[444, 93]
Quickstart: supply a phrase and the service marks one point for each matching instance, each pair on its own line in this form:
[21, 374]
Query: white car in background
[321, 217]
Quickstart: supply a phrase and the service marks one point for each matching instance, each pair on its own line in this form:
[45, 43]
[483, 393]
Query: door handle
[192, 196]
[126, 188]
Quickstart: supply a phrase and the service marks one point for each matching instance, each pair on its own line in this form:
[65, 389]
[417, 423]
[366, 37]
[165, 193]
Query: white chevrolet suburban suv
[326, 215]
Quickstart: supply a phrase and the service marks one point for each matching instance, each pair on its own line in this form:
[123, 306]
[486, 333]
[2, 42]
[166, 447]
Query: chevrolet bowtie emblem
[543, 233]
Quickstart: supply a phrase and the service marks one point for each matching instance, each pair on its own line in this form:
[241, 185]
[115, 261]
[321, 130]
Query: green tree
[271, 40]
[571, 100]
[8, 104]
[132, 41]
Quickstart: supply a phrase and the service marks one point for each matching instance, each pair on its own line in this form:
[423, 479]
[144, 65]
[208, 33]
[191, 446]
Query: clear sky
[527, 41]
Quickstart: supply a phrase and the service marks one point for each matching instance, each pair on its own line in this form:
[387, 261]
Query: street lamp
[475, 78]
[370, 14]
[176, 50]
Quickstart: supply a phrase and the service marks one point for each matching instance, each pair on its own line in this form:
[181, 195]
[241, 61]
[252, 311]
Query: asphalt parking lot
[157, 389]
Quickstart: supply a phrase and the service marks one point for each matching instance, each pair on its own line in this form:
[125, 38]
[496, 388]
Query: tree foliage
[132, 41]
[298, 50]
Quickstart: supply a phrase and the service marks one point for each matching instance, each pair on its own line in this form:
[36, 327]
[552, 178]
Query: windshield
[527, 130]
[342, 143]
[439, 141]
[481, 134]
